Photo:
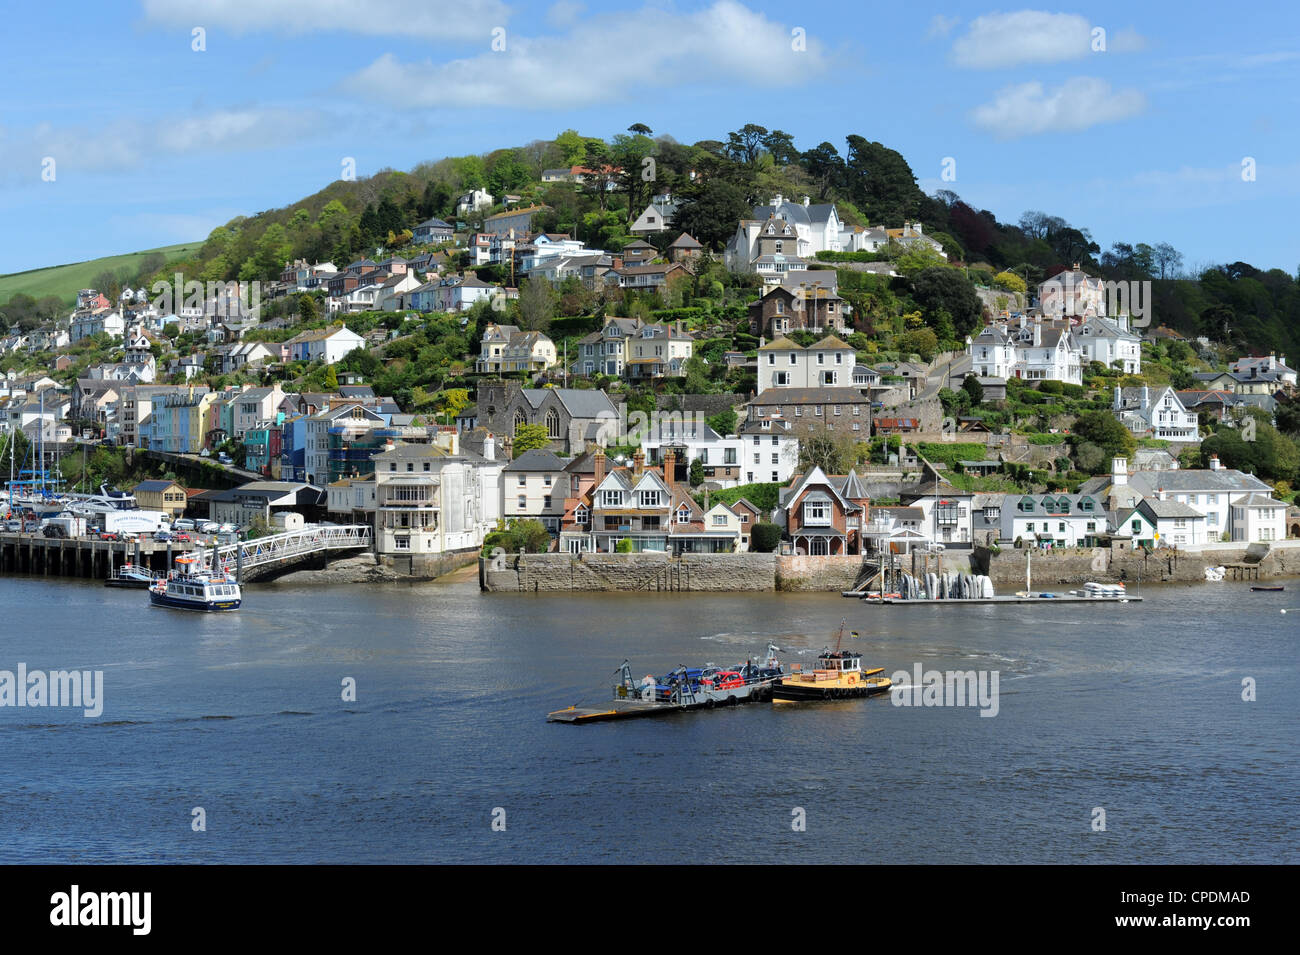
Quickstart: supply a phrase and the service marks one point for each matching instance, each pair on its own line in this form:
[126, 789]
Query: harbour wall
[702, 573]
[1116, 563]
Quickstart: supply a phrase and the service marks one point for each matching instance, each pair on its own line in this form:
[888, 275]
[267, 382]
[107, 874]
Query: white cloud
[1026, 109]
[941, 26]
[998, 40]
[459, 20]
[621, 55]
[128, 144]
[564, 13]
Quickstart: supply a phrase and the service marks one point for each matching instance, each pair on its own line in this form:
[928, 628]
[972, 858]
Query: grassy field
[65, 280]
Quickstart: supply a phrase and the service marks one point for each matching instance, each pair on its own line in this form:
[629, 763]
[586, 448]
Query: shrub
[764, 538]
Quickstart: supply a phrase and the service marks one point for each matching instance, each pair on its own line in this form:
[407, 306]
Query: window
[523, 501]
[816, 512]
[771, 358]
[1060, 527]
[580, 514]
[719, 520]
[817, 411]
[426, 465]
[837, 410]
[729, 456]
[821, 358]
[410, 466]
[683, 515]
[553, 424]
[611, 498]
[1137, 527]
[758, 458]
[649, 498]
[522, 480]
[776, 458]
[794, 359]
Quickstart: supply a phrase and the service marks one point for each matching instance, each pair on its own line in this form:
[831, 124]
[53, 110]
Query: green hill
[65, 280]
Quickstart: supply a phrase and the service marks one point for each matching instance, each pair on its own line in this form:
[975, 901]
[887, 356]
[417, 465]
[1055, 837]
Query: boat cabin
[839, 660]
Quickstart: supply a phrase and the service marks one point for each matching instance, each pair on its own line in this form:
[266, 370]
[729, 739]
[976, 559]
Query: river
[1133, 709]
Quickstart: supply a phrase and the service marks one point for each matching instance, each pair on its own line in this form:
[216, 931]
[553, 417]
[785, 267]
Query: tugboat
[191, 587]
[838, 676]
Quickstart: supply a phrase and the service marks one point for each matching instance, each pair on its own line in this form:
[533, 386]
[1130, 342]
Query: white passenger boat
[193, 587]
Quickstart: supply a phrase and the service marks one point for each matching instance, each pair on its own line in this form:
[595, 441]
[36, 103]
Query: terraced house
[1054, 519]
[648, 508]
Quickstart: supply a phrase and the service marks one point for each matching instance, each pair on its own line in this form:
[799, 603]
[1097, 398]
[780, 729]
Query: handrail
[309, 540]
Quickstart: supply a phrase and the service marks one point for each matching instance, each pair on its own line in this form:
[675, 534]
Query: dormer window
[683, 515]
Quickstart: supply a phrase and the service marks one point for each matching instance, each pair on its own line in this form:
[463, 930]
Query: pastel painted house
[325, 344]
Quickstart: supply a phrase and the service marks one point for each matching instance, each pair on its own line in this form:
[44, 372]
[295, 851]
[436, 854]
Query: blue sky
[155, 142]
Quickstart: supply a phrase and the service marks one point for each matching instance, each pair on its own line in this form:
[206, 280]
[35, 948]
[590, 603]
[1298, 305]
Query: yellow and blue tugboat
[837, 676]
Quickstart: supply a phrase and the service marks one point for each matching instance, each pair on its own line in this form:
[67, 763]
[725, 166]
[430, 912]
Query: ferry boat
[131, 575]
[193, 587]
[837, 676]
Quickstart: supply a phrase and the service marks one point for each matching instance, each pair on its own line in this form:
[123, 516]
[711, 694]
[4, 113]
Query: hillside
[63, 281]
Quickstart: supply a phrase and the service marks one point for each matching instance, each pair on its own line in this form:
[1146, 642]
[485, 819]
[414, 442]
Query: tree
[825, 166]
[331, 379]
[1010, 281]
[823, 449]
[881, 183]
[640, 129]
[746, 144]
[764, 538]
[950, 291]
[1105, 431]
[572, 146]
[921, 341]
[711, 214]
[724, 422]
[971, 385]
[696, 473]
[307, 311]
[530, 437]
[1167, 259]
[536, 304]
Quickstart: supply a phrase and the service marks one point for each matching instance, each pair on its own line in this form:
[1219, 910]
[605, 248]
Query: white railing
[309, 540]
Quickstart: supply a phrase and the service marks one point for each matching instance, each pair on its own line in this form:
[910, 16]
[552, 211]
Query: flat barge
[968, 601]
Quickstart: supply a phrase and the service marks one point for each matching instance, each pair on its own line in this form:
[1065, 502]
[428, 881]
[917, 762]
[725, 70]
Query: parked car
[108, 535]
[181, 537]
[725, 680]
[228, 529]
[184, 524]
[208, 527]
[163, 537]
[225, 458]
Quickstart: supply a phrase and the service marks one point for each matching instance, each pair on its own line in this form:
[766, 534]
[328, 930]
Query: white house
[1110, 342]
[656, 217]
[1159, 522]
[322, 344]
[786, 364]
[1053, 519]
[1158, 412]
[1072, 292]
[993, 353]
[534, 486]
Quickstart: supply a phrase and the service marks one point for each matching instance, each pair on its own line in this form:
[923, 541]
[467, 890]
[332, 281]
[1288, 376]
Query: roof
[539, 459]
[1167, 508]
[685, 241]
[153, 487]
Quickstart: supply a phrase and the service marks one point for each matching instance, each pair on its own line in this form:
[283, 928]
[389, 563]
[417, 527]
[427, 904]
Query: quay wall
[701, 573]
[1116, 563]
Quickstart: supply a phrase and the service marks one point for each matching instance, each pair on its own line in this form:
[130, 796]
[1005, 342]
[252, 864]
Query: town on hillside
[553, 354]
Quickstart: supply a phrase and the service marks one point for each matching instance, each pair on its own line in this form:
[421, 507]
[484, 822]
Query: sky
[140, 123]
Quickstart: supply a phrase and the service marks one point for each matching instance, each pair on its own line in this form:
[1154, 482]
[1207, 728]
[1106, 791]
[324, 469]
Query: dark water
[1136, 709]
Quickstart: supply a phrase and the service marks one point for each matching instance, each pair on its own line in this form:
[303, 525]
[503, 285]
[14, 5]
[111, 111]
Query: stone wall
[426, 566]
[1116, 563]
[628, 573]
[827, 573]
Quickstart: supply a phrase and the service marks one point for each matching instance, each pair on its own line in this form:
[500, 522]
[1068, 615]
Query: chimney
[599, 459]
[1214, 462]
[1160, 494]
[670, 466]
[806, 200]
[490, 447]
[1119, 471]
[638, 463]
[1038, 334]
